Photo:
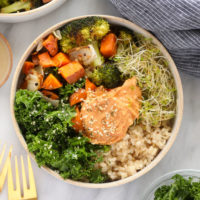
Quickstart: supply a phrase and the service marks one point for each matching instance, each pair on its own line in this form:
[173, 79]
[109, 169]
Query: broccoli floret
[100, 59]
[83, 32]
[17, 6]
[108, 76]
[126, 36]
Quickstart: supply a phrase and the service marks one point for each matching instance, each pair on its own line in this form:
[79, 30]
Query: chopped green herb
[180, 189]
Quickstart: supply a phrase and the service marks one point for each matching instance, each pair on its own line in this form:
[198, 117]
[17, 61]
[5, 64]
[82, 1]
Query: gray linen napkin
[176, 23]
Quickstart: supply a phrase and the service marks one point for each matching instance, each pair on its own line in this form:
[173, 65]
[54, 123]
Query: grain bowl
[97, 100]
[30, 14]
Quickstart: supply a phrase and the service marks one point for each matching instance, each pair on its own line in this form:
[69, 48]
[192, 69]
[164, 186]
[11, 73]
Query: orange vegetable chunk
[61, 59]
[45, 60]
[77, 97]
[51, 44]
[72, 72]
[50, 94]
[109, 45]
[35, 58]
[89, 85]
[51, 83]
[78, 126]
[27, 67]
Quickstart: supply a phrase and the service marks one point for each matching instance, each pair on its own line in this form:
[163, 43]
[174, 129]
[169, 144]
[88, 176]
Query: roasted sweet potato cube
[51, 44]
[61, 59]
[45, 60]
[72, 72]
[51, 83]
[78, 97]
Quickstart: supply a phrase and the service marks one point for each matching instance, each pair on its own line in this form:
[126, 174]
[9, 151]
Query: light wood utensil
[29, 193]
[3, 172]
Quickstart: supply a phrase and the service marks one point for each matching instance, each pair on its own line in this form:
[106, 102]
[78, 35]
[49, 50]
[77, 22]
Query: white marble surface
[184, 153]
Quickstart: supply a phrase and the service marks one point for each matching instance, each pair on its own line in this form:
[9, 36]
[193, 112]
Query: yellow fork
[28, 193]
[3, 172]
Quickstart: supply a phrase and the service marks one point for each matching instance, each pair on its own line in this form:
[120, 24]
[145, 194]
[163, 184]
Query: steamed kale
[49, 134]
[180, 189]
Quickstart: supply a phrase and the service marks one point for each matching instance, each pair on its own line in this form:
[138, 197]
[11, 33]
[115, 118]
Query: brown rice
[137, 149]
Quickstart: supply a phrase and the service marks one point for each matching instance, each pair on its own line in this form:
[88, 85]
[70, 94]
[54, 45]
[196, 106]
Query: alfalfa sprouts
[145, 61]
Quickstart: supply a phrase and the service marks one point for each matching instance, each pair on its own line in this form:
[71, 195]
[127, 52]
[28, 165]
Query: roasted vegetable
[85, 54]
[51, 44]
[109, 45]
[27, 67]
[45, 60]
[50, 94]
[89, 86]
[77, 122]
[77, 97]
[34, 80]
[61, 59]
[72, 72]
[125, 36]
[83, 32]
[17, 6]
[107, 75]
[10, 6]
[51, 83]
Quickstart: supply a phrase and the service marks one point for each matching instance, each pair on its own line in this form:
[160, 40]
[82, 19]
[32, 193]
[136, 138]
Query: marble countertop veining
[183, 154]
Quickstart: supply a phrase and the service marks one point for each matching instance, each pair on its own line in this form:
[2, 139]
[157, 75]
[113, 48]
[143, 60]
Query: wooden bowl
[31, 14]
[5, 59]
[172, 66]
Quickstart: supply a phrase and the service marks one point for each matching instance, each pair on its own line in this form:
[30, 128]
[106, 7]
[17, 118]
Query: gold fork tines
[5, 167]
[28, 193]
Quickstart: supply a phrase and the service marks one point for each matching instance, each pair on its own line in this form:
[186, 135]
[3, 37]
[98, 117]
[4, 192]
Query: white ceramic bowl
[32, 14]
[178, 118]
[166, 180]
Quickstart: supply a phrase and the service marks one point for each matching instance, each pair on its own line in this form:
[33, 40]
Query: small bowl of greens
[179, 185]
[13, 11]
[97, 101]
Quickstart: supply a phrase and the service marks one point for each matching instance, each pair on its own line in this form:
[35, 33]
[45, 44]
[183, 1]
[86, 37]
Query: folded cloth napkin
[176, 23]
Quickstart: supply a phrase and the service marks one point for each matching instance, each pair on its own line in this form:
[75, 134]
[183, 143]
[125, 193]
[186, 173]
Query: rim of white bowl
[2, 37]
[168, 176]
[29, 12]
[179, 100]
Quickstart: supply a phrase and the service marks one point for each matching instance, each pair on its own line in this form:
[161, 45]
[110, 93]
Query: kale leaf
[49, 134]
[180, 189]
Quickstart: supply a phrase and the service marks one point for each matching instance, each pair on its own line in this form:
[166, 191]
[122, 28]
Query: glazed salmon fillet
[107, 115]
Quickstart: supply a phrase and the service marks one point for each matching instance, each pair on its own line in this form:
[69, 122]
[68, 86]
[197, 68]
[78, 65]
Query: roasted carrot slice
[89, 85]
[50, 94]
[78, 97]
[61, 59]
[109, 45]
[51, 44]
[72, 72]
[51, 83]
[78, 125]
[45, 60]
[27, 67]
